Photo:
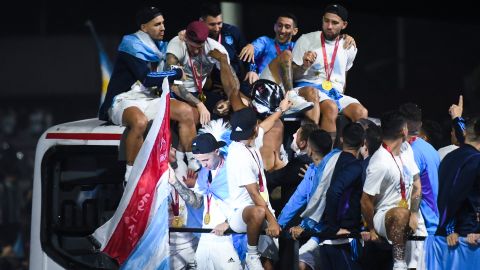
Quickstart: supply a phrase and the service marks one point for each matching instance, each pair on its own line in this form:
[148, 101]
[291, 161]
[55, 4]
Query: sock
[128, 170]
[399, 263]
[252, 249]
[180, 156]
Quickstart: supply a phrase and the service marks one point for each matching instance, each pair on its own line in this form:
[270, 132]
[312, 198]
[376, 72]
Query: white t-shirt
[316, 73]
[442, 152]
[383, 177]
[203, 63]
[243, 166]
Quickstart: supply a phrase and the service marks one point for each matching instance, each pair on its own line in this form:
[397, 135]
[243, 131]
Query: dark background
[420, 51]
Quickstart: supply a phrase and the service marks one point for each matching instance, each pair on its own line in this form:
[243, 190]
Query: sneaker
[128, 171]
[299, 104]
[400, 265]
[253, 262]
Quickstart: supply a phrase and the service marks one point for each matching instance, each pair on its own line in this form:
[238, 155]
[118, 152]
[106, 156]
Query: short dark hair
[290, 16]
[353, 135]
[472, 132]
[392, 124]
[320, 141]
[413, 115]
[433, 130]
[210, 9]
[145, 14]
[307, 127]
[373, 138]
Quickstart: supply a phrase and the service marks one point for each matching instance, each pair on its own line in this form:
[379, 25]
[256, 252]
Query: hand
[172, 178]
[413, 223]
[303, 170]
[181, 35]
[191, 178]
[222, 107]
[365, 236]
[349, 42]
[308, 59]
[220, 228]
[285, 104]
[473, 239]
[452, 239]
[342, 231]
[374, 236]
[296, 231]
[456, 110]
[217, 55]
[204, 113]
[247, 54]
[251, 77]
[273, 229]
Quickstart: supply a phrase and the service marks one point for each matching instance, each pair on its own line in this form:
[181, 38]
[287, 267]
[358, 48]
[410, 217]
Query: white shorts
[183, 257]
[136, 97]
[309, 254]
[267, 246]
[342, 103]
[216, 252]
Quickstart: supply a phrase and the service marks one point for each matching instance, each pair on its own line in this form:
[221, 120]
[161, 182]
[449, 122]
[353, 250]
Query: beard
[295, 148]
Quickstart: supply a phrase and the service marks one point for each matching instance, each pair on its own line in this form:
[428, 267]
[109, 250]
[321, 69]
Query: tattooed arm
[190, 197]
[286, 68]
[415, 202]
[416, 194]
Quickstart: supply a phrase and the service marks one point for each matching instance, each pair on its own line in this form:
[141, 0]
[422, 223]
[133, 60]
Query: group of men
[384, 179]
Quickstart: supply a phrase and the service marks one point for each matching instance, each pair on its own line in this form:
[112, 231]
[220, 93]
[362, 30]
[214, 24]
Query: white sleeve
[176, 47]
[213, 44]
[412, 165]
[351, 53]
[243, 172]
[301, 46]
[376, 172]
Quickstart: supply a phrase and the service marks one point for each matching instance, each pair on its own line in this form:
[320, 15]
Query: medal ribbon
[175, 205]
[196, 77]
[220, 38]
[412, 139]
[277, 47]
[402, 184]
[260, 178]
[209, 182]
[328, 67]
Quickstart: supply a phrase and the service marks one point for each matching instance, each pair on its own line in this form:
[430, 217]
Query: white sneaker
[400, 265]
[299, 103]
[253, 262]
[128, 171]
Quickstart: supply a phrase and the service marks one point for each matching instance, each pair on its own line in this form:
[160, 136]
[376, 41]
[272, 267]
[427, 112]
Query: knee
[139, 124]
[259, 213]
[329, 109]
[400, 215]
[184, 112]
[285, 56]
[310, 94]
[359, 112]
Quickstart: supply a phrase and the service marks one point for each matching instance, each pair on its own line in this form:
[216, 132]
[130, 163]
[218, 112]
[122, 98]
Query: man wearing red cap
[192, 55]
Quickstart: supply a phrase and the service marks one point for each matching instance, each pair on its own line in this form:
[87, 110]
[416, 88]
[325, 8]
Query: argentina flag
[137, 234]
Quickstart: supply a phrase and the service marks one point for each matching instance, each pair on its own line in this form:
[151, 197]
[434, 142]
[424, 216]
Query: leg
[271, 145]
[311, 94]
[136, 121]
[396, 223]
[355, 111]
[187, 117]
[329, 113]
[281, 70]
[253, 216]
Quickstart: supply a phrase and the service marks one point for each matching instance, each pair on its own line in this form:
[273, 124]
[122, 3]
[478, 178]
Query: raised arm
[190, 197]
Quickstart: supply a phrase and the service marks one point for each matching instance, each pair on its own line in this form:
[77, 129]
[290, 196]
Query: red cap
[197, 32]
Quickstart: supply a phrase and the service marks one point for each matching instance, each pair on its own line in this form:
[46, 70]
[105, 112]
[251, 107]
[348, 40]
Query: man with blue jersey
[132, 93]
[214, 251]
[427, 160]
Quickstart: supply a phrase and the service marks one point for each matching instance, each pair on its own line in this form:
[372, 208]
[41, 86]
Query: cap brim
[242, 135]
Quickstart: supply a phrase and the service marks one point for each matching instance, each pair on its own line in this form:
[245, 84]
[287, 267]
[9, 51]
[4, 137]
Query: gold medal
[206, 219]
[403, 203]
[327, 85]
[202, 97]
[177, 222]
